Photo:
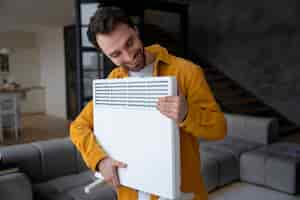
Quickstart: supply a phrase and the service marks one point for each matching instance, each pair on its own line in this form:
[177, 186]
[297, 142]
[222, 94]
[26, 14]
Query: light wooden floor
[35, 127]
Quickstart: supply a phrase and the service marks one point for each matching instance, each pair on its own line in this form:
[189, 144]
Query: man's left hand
[174, 107]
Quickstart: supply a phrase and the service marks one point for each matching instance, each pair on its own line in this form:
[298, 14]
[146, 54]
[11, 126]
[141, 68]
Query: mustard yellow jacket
[204, 120]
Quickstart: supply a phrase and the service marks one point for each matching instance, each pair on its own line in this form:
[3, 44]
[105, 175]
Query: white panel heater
[129, 127]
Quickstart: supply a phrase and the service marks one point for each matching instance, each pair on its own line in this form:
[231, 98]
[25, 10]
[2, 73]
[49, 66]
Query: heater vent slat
[131, 92]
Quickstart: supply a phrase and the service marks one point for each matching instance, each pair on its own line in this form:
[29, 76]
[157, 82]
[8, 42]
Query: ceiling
[31, 15]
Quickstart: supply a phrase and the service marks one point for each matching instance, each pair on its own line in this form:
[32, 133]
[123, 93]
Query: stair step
[211, 69]
[211, 72]
[247, 110]
[216, 77]
[222, 81]
[222, 85]
[240, 101]
[229, 93]
[233, 98]
[285, 129]
[293, 137]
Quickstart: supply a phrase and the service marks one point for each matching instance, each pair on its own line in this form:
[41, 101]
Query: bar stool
[1, 131]
[10, 112]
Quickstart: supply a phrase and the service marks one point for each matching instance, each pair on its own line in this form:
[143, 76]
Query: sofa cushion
[58, 158]
[227, 165]
[252, 168]
[209, 170]
[25, 157]
[235, 146]
[81, 166]
[15, 186]
[276, 166]
[64, 183]
[104, 192]
[71, 187]
[254, 129]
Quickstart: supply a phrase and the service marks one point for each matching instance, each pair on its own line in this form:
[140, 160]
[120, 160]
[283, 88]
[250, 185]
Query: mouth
[138, 62]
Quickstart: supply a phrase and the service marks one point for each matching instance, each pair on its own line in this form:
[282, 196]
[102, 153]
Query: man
[195, 109]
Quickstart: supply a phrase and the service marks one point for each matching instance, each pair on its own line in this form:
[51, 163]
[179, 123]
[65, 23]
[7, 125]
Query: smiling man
[194, 109]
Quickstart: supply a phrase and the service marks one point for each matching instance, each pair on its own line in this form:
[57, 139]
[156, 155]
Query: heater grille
[142, 93]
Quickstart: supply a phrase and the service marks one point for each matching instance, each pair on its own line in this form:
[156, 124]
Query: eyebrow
[129, 39]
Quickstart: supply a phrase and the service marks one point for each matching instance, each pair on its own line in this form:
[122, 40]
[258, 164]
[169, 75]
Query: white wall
[17, 39]
[38, 60]
[52, 62]
[24, 67]
[25, 70]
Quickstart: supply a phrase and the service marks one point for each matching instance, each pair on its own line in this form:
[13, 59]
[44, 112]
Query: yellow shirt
[204, 120]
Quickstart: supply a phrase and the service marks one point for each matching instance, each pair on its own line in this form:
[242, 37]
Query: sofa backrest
[15, 186]
[23, 156]
[44, 160]
[261, 130]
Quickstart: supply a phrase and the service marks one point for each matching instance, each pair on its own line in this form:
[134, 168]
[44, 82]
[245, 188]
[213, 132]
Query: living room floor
[245, 191]
[36, 127]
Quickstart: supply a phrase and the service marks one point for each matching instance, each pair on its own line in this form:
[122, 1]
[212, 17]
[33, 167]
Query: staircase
[229, 94]
[234, 99]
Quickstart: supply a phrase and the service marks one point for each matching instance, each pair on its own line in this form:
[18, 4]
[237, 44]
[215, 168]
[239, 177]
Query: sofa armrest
[261, 130]
[15, 186]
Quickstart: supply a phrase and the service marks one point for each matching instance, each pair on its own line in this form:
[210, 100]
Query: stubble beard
[140, 65]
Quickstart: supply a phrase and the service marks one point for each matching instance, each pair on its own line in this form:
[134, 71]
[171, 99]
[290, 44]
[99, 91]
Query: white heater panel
[130, 129]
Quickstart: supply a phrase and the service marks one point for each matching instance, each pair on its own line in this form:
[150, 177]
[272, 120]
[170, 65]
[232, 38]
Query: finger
[169, 113]
[171, 100]
[167, 99]
[164, 109]
[109, 181]
[115, 182]
[168, 107]
[119, 164]
[115, 179]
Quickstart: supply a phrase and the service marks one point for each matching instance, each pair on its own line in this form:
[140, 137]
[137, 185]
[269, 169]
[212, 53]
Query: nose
[128, 56]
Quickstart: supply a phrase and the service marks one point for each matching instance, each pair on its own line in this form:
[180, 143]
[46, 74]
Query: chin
[136, 69]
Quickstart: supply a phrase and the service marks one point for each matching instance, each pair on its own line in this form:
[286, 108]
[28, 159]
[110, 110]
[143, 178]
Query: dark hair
[104, 21]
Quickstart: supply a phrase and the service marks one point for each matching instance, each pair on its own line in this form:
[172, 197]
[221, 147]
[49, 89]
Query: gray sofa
[55, 170]
[252, 153]
[221, 159]
[47, 170]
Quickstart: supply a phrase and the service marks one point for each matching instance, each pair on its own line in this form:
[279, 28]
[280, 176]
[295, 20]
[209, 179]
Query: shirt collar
[160, 53]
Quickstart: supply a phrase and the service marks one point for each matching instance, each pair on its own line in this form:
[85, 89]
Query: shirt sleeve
[82, 135]
[204, 118]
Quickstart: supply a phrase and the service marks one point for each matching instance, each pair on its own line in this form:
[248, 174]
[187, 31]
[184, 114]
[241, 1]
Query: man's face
[123, 46]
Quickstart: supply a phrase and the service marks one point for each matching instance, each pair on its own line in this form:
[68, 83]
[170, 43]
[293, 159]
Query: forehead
[116, 39]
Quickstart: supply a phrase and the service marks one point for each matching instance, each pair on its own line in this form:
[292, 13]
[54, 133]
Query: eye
[115, 54]
[129, 42]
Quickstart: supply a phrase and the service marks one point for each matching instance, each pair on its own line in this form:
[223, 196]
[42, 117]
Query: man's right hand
[108, 169]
